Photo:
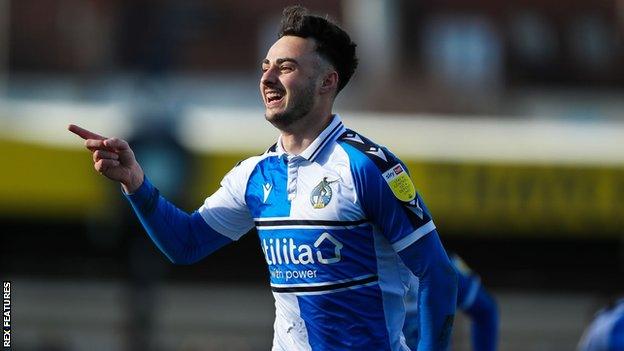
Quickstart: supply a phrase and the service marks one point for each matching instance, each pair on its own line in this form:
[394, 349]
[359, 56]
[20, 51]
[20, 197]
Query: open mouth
[274, 97]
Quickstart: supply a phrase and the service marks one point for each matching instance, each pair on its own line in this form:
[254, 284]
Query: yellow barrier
[475, 198]
[530, 200]
[40, 181]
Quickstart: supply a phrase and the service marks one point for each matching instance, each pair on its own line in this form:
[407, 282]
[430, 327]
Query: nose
[269, 77]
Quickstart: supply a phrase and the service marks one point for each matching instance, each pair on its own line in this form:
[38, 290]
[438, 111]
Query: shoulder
[365, 153]
[376, 164]
[244, 168]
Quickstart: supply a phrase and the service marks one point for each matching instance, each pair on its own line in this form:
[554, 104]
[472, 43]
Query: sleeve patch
[400, 183]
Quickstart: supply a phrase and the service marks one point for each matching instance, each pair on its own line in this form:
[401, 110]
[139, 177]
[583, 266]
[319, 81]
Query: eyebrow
[281, 60]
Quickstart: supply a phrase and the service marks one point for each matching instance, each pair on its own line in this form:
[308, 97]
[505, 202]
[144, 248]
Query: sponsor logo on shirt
[279, 251]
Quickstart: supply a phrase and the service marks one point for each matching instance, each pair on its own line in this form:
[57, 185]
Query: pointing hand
[113, 158]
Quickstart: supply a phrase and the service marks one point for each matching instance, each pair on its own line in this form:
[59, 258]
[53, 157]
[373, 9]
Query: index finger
[83, 133]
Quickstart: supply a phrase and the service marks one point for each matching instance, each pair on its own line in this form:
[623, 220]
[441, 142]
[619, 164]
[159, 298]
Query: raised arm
[183, 238]
[113, 158]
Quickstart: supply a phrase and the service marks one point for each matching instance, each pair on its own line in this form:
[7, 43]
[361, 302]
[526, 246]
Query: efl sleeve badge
[400, 183]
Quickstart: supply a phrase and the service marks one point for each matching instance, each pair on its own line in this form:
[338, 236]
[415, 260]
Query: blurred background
[510, 116]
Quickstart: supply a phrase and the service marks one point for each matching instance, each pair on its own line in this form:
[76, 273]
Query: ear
[330, 82]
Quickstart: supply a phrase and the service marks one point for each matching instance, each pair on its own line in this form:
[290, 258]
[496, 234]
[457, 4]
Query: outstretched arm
[113, 158]
[183, 238]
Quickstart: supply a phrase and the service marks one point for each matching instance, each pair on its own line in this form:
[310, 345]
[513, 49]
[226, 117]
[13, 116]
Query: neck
[297, 138]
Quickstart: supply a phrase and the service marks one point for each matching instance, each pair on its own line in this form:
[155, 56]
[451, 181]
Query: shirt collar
[327, 136]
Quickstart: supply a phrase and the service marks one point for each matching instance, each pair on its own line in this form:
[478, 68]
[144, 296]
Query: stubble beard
[301, 106]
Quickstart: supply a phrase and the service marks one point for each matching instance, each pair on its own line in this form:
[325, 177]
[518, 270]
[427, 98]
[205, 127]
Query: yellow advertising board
[472, 198]
[465, 198]
[535, 200]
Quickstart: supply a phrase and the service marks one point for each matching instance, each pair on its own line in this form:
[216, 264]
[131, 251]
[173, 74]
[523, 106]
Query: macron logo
[377, 152]
[266, 188]
[354, 137]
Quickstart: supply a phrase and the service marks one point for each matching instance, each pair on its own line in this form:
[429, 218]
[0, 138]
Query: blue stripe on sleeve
[183, 238]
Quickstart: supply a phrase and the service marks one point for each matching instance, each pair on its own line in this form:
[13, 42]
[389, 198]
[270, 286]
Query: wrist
[145, 199]
[136, 180]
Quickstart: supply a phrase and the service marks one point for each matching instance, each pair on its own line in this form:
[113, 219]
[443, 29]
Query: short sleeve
[226, 211]
[388, 196]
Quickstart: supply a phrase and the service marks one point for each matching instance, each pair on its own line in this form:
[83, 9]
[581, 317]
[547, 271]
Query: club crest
[321, 194]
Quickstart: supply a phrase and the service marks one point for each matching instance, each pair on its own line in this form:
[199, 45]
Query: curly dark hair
[332, 42]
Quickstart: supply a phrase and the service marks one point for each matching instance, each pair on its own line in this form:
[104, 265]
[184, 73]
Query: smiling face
[291, 74]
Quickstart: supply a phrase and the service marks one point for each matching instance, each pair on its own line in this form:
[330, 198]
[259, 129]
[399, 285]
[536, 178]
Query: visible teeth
[273, 96]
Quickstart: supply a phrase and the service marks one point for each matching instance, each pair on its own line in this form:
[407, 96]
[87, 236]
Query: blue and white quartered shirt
[331, 222]
[334, 274]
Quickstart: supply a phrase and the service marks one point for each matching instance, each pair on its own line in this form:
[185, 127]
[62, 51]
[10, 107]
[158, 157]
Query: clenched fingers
[104, 155]
[112, 144]
[104, 165]
[94, 144]
[116, 144]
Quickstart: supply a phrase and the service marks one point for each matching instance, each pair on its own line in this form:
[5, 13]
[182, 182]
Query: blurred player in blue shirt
[472, 299]
[606, 331]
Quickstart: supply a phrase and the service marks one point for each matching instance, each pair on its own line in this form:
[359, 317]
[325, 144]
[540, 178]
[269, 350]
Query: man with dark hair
[332, 43]
[338, 217]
